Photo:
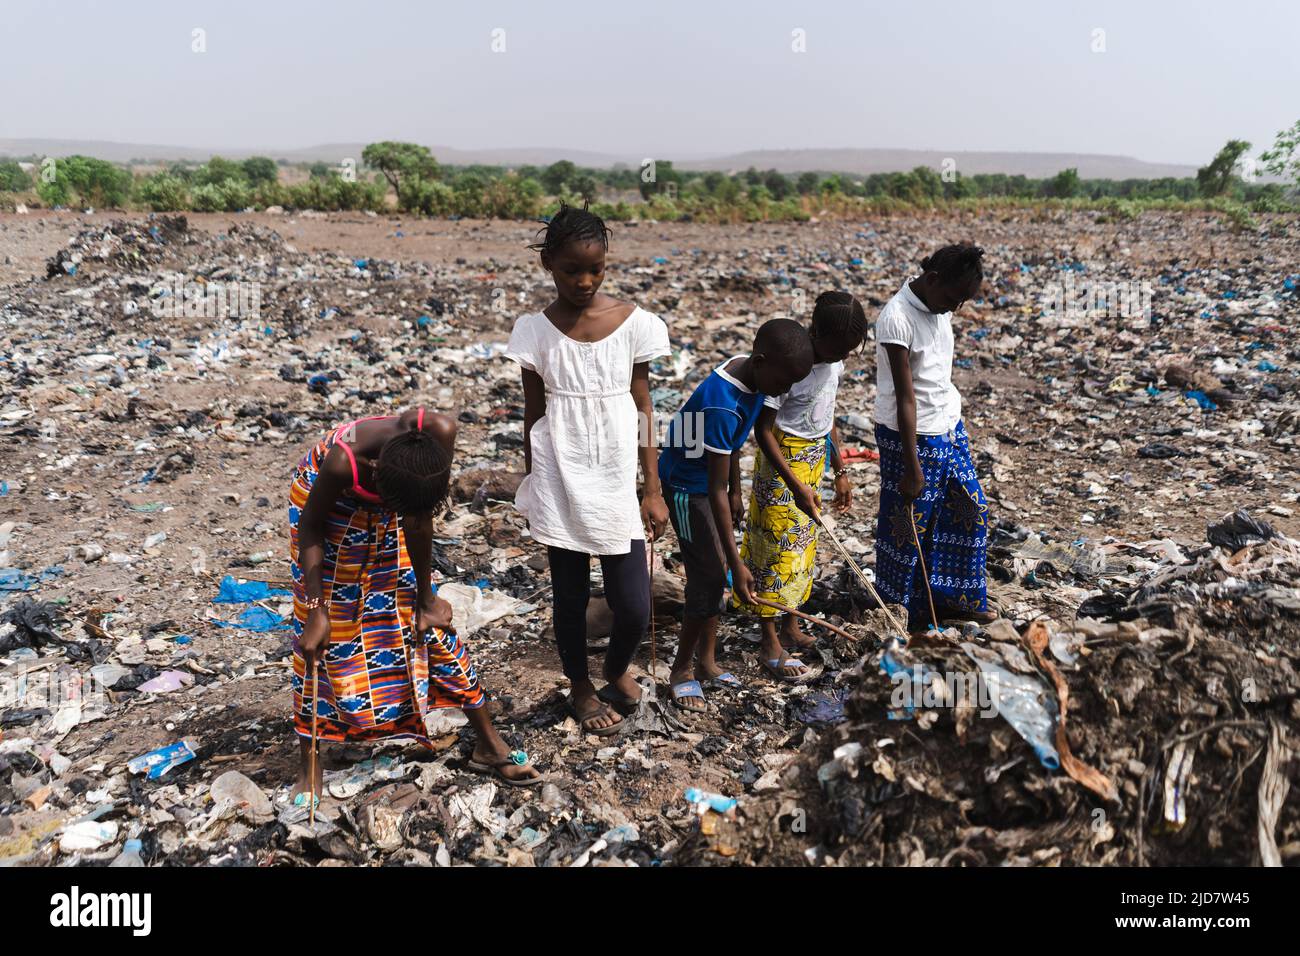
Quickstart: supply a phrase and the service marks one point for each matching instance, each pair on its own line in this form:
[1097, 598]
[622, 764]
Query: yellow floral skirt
[780, 542]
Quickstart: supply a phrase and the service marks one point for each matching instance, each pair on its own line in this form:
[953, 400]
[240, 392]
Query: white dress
[581, 492]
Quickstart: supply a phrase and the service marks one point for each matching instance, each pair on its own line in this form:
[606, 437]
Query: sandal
[603, 709]
[776, 667]
[517, 758]
[727, 680]
[685, 691]
[621, 702]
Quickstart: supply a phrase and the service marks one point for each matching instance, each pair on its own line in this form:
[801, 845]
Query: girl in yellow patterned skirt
[780, 543]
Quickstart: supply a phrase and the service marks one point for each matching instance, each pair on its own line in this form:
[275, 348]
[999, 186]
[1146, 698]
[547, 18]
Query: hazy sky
[660, 78]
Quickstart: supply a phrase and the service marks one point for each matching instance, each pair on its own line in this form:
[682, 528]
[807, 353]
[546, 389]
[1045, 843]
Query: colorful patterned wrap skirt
[377, 679]
[951, 522]
[780, 542]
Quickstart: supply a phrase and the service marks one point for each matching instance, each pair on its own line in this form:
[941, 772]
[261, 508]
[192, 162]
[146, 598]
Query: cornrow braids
[572, 224]
[955, 264]
[413, 473]
[838, 317]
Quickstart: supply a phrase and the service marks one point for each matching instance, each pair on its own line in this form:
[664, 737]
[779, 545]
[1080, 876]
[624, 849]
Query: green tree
[163, 192]
[1065, 184]
[1214, 179]
[1284, 158]
[86, 180]
[558, 175]
[400, 161]
[807, 183]
[585, 186]
[664, 174]
[776, 184]
[13, 179]
[260, 169]
[217, 170]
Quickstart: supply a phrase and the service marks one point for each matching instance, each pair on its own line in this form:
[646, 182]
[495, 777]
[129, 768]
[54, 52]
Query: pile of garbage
[1160, 731]
[158, 382]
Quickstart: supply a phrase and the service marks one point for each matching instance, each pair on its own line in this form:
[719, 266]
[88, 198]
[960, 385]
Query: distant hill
[858, 161]
[866, 161]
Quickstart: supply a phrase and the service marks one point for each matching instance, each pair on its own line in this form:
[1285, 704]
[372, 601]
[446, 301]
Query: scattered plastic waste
[158, 762]
[130, 855]
[703, 800]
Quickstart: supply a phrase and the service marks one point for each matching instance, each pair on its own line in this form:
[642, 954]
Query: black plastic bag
[1238, 530]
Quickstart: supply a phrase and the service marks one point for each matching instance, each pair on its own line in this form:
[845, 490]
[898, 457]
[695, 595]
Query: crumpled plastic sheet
[474, 607]
[257, 619]
[231, 591]
[1023, 701]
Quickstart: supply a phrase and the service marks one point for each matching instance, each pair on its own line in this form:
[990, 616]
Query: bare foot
[792, 635]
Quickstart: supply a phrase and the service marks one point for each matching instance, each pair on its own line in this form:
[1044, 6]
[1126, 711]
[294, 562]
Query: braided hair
[413, 473]
[572, 224]
[957, 265]
[838, 317]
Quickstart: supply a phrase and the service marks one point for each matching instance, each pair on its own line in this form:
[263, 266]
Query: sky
[1163, 81]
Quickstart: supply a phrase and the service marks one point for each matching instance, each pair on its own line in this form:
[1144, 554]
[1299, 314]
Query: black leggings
[627, 589]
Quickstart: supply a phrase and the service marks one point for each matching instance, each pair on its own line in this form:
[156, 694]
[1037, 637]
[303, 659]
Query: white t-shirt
[928, 336]
[808, 409]
[581, 492]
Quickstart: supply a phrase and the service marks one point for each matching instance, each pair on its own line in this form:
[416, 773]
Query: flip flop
[775, 666]
[300, 799]
[517, 758]
[621, 702]
[687, 689]
[726, 679]
[609, 731]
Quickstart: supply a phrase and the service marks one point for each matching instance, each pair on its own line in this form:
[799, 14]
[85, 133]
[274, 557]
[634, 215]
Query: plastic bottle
[130, 855]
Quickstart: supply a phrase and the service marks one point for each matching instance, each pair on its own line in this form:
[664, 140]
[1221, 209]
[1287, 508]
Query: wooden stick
[653, 654]
[925, 575]
[312, 763]
[866, 582]
[806, 617]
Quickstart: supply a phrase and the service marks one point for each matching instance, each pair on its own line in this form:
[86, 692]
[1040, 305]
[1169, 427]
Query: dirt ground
[184, 440]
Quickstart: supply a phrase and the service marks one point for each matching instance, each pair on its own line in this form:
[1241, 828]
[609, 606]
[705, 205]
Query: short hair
[957, 263]
[571, 224]
[785, 341]
[413, 473]
[838, 316]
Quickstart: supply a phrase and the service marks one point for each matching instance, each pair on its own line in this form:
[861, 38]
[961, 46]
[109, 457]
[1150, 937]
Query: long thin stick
[866, 582]
[654, 660]
[315, 692]
[806, 617]
[925, 575]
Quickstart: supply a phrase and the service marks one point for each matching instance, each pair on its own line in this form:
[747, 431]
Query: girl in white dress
[585, 363]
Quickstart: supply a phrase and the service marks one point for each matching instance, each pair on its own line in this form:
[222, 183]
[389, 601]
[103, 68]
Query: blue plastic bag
[256, 619]
[233, 592]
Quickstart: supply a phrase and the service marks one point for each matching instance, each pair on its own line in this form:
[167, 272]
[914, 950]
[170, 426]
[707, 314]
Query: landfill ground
[147, 456]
